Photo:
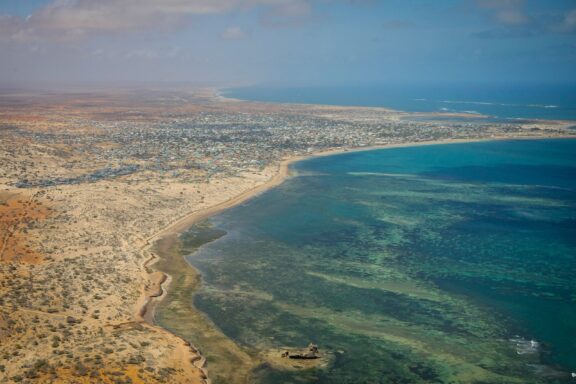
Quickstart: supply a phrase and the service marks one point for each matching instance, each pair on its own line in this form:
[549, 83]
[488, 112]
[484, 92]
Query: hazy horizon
[55, 43]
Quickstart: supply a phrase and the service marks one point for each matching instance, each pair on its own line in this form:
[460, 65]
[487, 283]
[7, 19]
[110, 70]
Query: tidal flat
[434, 264]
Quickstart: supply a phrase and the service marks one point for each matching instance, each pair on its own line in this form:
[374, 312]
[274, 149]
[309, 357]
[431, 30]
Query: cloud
[542, 23]
[568, 24]
[144, 53]
[507, 12]
[288, 14]
[233, 33]
[76, 19]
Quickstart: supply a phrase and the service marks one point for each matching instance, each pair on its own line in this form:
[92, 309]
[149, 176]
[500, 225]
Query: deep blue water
[501, 101]
[433, 264]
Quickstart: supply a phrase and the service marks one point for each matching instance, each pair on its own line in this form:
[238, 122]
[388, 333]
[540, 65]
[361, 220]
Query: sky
[286, 42]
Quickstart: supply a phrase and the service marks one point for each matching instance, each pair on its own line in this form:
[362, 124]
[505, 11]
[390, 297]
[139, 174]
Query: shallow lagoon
[433, 264]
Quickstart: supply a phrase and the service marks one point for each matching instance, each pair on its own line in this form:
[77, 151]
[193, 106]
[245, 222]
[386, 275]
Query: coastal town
[90, 180]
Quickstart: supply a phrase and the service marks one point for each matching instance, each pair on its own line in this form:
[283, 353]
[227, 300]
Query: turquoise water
[498, 100]
[435, 264]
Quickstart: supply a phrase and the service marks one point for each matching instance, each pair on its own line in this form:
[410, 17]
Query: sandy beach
[279, 176]
[85, 225]
[169, 236]
[136, 134]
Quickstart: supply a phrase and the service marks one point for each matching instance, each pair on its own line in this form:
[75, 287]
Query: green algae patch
[446, 264]
[226, 362]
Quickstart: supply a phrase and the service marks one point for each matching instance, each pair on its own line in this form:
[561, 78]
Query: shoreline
[147, 303]
[283, 172]
[99, 183]
[218, 96]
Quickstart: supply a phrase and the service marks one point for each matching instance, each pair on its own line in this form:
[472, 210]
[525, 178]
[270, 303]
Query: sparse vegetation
[85, 182]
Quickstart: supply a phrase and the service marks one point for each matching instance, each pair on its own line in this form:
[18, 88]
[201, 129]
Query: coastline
[84, 219]
[148, 303]
[151, 297]
[218, 96]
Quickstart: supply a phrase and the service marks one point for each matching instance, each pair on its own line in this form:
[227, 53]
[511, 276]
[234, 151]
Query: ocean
[501, 101]
[449, 263]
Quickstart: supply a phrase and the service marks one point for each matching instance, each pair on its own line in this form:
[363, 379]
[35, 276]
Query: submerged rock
[310, 353]
[305, 358]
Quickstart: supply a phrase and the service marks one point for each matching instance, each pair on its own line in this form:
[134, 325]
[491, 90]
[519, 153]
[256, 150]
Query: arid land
[90, 180]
